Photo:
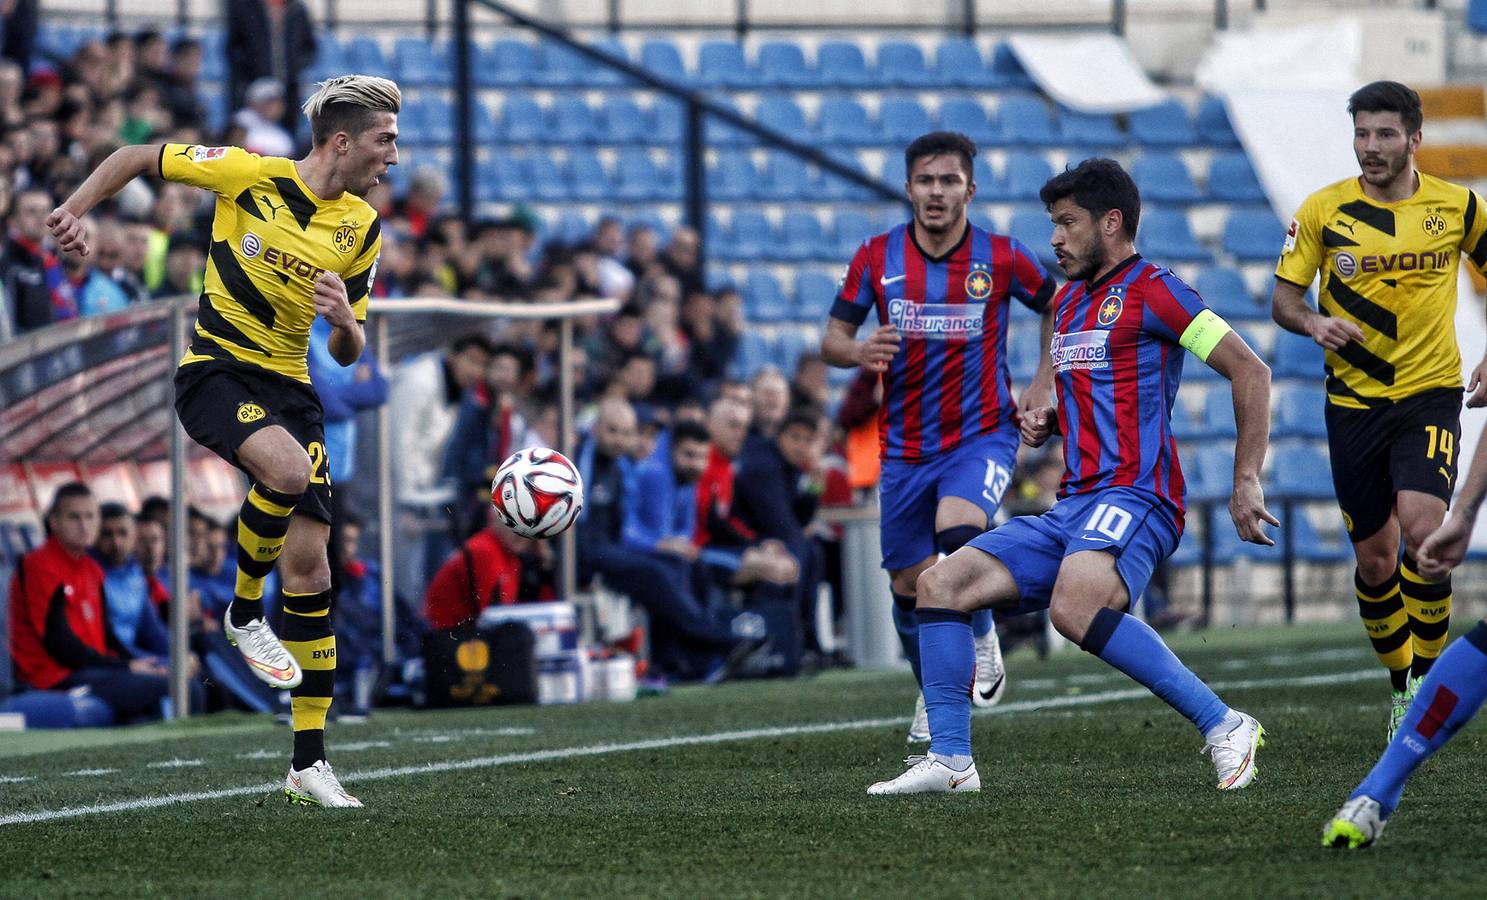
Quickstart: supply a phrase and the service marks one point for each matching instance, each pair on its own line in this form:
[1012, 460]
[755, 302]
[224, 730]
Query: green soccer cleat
[1357, 824]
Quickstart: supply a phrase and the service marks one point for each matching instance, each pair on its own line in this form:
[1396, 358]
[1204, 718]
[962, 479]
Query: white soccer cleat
[266, 656]
[317, 786]
[991, 674]
[928, 775]
[1357, 824]
[1234, 754]
[919, 728]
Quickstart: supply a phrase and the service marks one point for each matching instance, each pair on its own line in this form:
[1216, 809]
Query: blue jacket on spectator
[658, 508]
[99, 294]
[131, 614]
[343, 393]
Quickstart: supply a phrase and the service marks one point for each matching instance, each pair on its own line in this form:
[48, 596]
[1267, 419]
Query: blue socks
[1130, 645]
[1449, 696]
[906, 623]
[948, 650]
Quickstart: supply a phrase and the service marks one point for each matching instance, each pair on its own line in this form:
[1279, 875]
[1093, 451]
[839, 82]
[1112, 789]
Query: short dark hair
[155, 505]
[67, 492]
[804, 414]
[687, 430]
[473, 339]
[113, 510]
[1389, 96]
[938, 143]
[524, 359]
[1098, 185]
[634, 355]
[194, 514]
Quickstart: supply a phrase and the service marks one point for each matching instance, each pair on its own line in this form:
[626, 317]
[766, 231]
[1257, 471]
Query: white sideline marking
[174, 764]
[16, 779]
[89, 773]
[359, 745]
[487, 762]
[261, 754]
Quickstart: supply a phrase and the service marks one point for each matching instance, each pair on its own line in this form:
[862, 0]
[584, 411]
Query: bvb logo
[1347, 522]
[250, 412]
[473, 656]
[1434, 225]
[345, 238]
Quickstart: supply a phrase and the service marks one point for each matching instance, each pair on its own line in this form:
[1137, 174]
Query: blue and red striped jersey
[949, 381]
[1118, 363]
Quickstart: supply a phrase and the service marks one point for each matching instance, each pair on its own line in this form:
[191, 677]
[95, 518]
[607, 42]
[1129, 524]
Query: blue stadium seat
[1163, 178]
[752, 354]
[1023, 351]
[722, 64]
[967, 117]
[1033, 228]
[330, 60]
[636, 176]
[549, 180]
[1024, 175]
[844, 122]
[1308, 545]
[595, 73]
[1026, 121]
[1295, 356]
[506, 63]
[1091, 130]
[364, 54]
[558, 66]
[622, 121]
[835, 188]
[814, 293]
[213, 55]
[1253, 234]
[413, 127]
[665, 121]
[763, 299]
[1476, 16]
[662, 57]
[1185, 426]
[849, 229]
[958, 62]
[587, 175]
[438, 120]
[782, 114]
[1232, 179]
[732, 176]
[718, 132]
[421, 61]
[572, 120]
[1166, 236]
[785, 177]
[522, 120]
[487, 125]
[902, 120]
[901, 64]
[1218, 414]
[782, 65]
[573, 228]
[491, 176]
[752, 236]
[1209, 472]
[1301, 412]
[1164, 125]
[991, 186]
[1007, 70]
[1213, 123]
[801, 237]
[841, 64]
[1225, 292]
[715, 237]
[1301, 471]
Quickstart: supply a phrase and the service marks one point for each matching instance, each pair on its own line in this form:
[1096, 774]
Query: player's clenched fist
[1037, 426]
[331, 302]
[879, 348]
[68, 231]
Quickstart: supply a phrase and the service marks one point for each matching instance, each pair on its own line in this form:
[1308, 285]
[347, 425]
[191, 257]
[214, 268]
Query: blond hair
[349, 103]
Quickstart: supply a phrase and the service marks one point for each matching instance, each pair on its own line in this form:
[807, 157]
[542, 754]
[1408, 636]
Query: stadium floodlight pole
[464, 138]
[384, 501]
[180, 697]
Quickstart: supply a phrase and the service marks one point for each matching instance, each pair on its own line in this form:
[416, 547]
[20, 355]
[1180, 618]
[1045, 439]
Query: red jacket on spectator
[716, 523]
[56, 604]
[451, 600]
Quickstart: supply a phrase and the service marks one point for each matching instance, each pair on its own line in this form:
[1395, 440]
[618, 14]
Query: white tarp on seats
[1093, 73]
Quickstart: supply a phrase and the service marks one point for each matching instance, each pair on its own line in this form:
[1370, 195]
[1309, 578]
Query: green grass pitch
[1090, 788]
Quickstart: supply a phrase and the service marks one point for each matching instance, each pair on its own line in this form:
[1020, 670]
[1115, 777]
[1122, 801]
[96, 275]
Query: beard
[1394, 168]
[1084, 266]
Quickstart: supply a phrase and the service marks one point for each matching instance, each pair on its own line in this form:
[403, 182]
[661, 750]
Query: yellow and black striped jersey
[1391, 269]
[271, 238]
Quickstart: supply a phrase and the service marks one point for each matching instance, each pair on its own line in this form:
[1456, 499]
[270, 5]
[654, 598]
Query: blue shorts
[979, 470]
[1134, 526]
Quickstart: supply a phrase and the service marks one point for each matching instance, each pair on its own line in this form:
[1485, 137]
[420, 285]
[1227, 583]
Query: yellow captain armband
[1204, 333]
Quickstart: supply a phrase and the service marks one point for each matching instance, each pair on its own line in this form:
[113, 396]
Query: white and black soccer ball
[537, 492]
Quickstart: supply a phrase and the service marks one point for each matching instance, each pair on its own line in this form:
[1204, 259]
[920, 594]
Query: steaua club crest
[1110, 308]
[978, 281]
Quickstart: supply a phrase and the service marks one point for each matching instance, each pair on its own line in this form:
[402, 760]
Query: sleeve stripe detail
[1470, 216]
[1204, 333]
[160, 163]
[373, 234]
[848, 312]
[1479, 252]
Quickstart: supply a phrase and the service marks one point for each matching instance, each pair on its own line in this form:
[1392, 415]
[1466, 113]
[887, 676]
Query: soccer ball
[537, 492]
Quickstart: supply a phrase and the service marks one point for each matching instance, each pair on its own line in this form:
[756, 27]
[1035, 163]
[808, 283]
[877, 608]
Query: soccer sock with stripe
[309, 638]
[906, 623]
[262, 523]
[1447, 699]
[947, 651]
[1429, 607]
[1130, 645]
[1382, 610]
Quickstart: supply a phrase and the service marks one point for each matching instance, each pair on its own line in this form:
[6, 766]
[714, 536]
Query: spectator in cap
[262, 132]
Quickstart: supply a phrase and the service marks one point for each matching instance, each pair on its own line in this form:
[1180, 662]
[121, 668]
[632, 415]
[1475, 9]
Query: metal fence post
[180, 588]
[385, 510]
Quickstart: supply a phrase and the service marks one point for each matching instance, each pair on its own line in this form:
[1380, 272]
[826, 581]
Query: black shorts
[222, 405]
[1406, 446]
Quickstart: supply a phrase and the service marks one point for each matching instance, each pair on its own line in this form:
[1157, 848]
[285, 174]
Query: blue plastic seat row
[758, 348]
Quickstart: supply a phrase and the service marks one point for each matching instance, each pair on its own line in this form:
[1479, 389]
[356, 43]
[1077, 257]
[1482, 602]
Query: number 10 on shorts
[1110, 521]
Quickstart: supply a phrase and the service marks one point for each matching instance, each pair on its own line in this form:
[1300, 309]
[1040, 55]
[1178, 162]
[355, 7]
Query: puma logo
[1342, 224]
[273, 210]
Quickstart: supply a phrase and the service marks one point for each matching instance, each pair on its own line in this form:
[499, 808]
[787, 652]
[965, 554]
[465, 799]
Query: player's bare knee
[903, 581]
[1376, 566]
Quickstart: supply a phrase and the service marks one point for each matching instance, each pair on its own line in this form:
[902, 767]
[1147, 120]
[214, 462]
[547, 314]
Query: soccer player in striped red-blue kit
[1121, 325]
[941, 289]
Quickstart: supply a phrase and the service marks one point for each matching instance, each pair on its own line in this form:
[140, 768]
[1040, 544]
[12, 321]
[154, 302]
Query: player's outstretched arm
[1289, 309]
[840, 347]
[1250, 381]
[1445, 548]
[121, 167]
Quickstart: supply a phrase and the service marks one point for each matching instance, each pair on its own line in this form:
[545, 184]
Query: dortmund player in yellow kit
[290, 240]
[1388, 244]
